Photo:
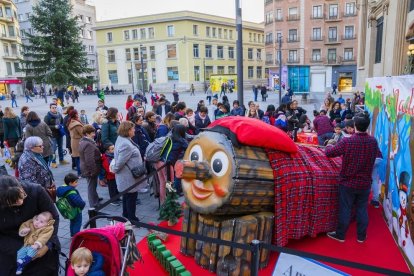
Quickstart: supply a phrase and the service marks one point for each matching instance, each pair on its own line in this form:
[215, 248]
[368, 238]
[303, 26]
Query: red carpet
[379, 250]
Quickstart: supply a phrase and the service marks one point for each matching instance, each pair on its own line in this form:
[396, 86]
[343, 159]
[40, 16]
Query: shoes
[142, 191]
[63, 162]
[116, 203]
[333, 235]
[54, 165]
[375, 203]
[19, 261]
[100, 198]
[362, 240]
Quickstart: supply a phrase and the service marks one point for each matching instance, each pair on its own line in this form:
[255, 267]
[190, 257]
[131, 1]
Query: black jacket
[53, 121]
[11, 218]
[167, 109]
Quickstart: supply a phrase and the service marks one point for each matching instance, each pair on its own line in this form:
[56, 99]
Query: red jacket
[128, 104]
[105, 165]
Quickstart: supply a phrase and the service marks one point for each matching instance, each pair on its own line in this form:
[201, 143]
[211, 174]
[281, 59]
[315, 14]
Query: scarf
[34, 123]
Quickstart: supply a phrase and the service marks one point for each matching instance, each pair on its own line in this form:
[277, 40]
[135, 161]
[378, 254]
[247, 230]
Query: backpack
[156, 149]
[65, 208]
[280, 122]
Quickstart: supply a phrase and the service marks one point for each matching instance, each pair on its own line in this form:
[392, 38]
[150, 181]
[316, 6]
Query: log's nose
[192, 170]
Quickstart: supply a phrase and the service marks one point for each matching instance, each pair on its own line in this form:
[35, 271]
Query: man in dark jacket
[163, 107]
[55, 121]
[34, 200]
[237, 109]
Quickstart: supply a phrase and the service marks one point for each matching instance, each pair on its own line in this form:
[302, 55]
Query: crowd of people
[104, 149]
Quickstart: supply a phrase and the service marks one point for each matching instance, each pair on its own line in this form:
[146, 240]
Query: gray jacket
[43, 131]
[125, 153]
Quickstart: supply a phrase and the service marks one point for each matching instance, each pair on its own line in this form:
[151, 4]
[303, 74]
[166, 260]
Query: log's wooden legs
[225, 260]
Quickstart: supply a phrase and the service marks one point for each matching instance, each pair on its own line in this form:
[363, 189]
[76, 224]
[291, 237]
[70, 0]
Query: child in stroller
[85, 262]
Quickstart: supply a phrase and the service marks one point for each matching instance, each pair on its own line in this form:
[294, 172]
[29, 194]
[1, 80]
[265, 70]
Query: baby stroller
[116, 243]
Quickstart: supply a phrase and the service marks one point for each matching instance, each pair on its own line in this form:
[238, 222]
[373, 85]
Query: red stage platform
[379, 250]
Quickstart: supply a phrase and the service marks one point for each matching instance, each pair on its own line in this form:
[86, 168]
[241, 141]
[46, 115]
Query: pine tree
[54, 53]
[170, 209]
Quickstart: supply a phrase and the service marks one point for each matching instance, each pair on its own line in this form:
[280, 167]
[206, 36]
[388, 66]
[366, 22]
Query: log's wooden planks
[189, 225]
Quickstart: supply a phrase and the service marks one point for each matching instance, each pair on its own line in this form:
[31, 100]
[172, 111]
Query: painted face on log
[206, 171]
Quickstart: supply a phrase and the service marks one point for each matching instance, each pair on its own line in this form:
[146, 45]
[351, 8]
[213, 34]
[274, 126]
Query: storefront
[274, 78]
[299, 78]
[8, 85]
[345, 77]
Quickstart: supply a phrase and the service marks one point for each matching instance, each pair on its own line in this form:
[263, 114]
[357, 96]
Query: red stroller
[113, 242]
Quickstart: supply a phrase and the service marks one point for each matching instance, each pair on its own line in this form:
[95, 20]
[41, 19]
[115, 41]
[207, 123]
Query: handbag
[138, 171]
[51, 190]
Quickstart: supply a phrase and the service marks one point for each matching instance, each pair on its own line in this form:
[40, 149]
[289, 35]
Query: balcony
[351, 14]
[278, 19]
[316, 60]
[348, 59]
[332, 40]
[317, 38]
[332, 18]
[292, 61]
[293, 17]
[333, 60]
[9, 38]
[316, 16]
[292, 39]
[6, 19]
[269, 42]
[12, 55]
[348, 37]
[268, 22]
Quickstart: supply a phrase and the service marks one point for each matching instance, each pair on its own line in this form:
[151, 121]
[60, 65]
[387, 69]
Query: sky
[252, 10]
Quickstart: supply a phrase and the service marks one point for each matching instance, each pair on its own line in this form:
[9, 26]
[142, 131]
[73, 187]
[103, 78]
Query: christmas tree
[54, 53]
[170, 209]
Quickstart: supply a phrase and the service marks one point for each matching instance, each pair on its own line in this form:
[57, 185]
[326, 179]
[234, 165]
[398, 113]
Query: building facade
[318, 44]
[387, 31]
[177, 49]
[86, 16]
[11, 76]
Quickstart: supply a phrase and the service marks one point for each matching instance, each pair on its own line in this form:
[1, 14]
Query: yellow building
[178, 49]
[11, 77]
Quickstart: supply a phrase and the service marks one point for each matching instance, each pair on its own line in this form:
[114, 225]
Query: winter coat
[90, 158]
[75, 199]
[201, 123]
[167, 108]
[151, 129]
[34, 170]
[53, 120]
[105, 171]
[75, 129]
[237, 111]
[40, 236]
[1, 124]
[11, 218]
[22, 121]
[177, 151]
[141, 138]
[65, 126]
[12, 128]
[40, 129]
[126, 155]
[162, 131]
[109, 132]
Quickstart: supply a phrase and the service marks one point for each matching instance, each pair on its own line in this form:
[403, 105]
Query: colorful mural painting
[390, 101]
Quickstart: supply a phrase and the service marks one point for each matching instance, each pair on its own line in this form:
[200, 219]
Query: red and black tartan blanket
[306, 193]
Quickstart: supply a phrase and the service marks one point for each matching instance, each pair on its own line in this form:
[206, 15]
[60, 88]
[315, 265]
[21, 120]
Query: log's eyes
[219, 163]
[196, 153]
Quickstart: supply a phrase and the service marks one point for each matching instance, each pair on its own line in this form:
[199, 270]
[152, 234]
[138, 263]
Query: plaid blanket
[306, 193]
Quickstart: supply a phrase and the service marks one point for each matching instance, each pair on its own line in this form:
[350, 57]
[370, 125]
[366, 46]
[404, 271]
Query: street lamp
[280, 69]
[142, 70]
[132, 79]
[410, 54]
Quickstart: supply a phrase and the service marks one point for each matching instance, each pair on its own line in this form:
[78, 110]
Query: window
[27, 15]
[171, 51]
[172, 73]
[88, 19]
[293, 56]
[196, 73]
[254, 37]
[6, 49]
[130, 76]
[91, 49]
[348, 54]
[81, 33]
[269, 38]
[220, 70]
[293, 35]
[170, 30]
[8, 13]
[349, 32]
[317, 11]
[113, 76]
[89, 34]
[1, 12]
[214, 32]
[230, 34]
[151, 33]
[232, 70]
[111, 55]
[316, 34]
[250, 72]
[411, 7]
[144, 53]
[154, 75]
[231, 52]
[208, 51]
[331, 55]
[378, 42]
[279, 16]
[259, 72]
[259, 54]
[220, 52]
[250, 37]
[143, 34]
[22, 33]
[278, 36]
[316, 54]
[135, 34]
[195, 30]
[92, 63]
[225, 33]
[220, 32]
[20, 17]
[269, 58]
[350, 9]
[11, 31]
[128, 54]
[152, 52]
[293, 14]
[250, 53]
[209, 72]
[268, 17]
[196, 50]
[80, 18]
[332, 34]
[126, 35]
[136, 53]
[109, 37]
[333, 11]
[17, 67]
[9, 68]
[208, 32]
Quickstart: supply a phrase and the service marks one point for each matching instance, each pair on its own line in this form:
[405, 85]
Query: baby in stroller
[85, 262]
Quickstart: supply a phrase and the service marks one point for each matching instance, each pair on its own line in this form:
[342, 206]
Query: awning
[11, 81]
